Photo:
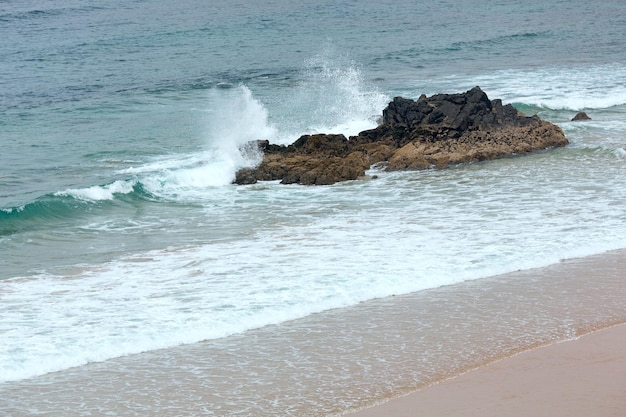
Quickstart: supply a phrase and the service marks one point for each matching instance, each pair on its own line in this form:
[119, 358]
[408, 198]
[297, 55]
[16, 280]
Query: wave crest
[97, 192]
[554, 88]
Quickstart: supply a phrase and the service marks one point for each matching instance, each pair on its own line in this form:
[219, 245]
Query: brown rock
[246, 176]
[409, 156]
[434, 131]
[581, 116]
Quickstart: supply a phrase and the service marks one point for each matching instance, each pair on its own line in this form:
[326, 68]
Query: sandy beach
[407, 348]
[575, 378]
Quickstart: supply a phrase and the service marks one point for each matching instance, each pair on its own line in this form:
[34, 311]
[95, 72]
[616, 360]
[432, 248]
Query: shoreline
[576, 377]
[345, 360]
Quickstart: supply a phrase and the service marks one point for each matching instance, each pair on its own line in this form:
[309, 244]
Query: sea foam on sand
[347, 359]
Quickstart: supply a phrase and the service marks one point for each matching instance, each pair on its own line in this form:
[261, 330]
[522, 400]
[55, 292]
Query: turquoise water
[122, 123]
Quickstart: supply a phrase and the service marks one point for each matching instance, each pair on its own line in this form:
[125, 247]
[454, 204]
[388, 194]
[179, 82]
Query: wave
[178, 178]
[234, 120]
[558, 88]
[67, 205]
[163, 298]
[98, 193]
[577, 101]
[331, 97]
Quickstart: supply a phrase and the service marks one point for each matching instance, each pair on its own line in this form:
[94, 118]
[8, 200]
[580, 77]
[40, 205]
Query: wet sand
[576, 378]
[343, 360]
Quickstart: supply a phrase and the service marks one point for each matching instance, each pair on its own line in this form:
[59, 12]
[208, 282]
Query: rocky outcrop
[580, 116]
[312, 159]
[433, 131]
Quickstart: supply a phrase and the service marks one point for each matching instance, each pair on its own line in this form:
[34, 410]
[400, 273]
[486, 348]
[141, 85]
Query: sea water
[124, 123]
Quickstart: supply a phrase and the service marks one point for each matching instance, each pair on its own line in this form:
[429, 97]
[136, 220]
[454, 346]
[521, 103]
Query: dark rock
[246, 176]
[335, 145]
[581, 116]
[431, 132]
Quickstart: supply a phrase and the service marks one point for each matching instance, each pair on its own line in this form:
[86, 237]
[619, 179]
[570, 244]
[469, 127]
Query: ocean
[132, 269]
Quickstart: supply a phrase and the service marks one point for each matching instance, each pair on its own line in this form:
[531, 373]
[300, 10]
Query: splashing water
[332, 98]
[235, 118]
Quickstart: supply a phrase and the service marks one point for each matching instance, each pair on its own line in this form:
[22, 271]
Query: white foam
[595, 87]
[332, 98]
[98, 193]
[575, 88]
[233, 119]
[12, 210]
[310, 249]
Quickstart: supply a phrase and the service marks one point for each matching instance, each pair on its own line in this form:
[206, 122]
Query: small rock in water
[581, 116]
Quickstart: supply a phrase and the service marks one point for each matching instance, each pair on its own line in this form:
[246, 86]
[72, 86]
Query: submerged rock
[433, 131]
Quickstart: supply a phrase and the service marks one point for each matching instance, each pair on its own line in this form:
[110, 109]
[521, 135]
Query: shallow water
[342, 359]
